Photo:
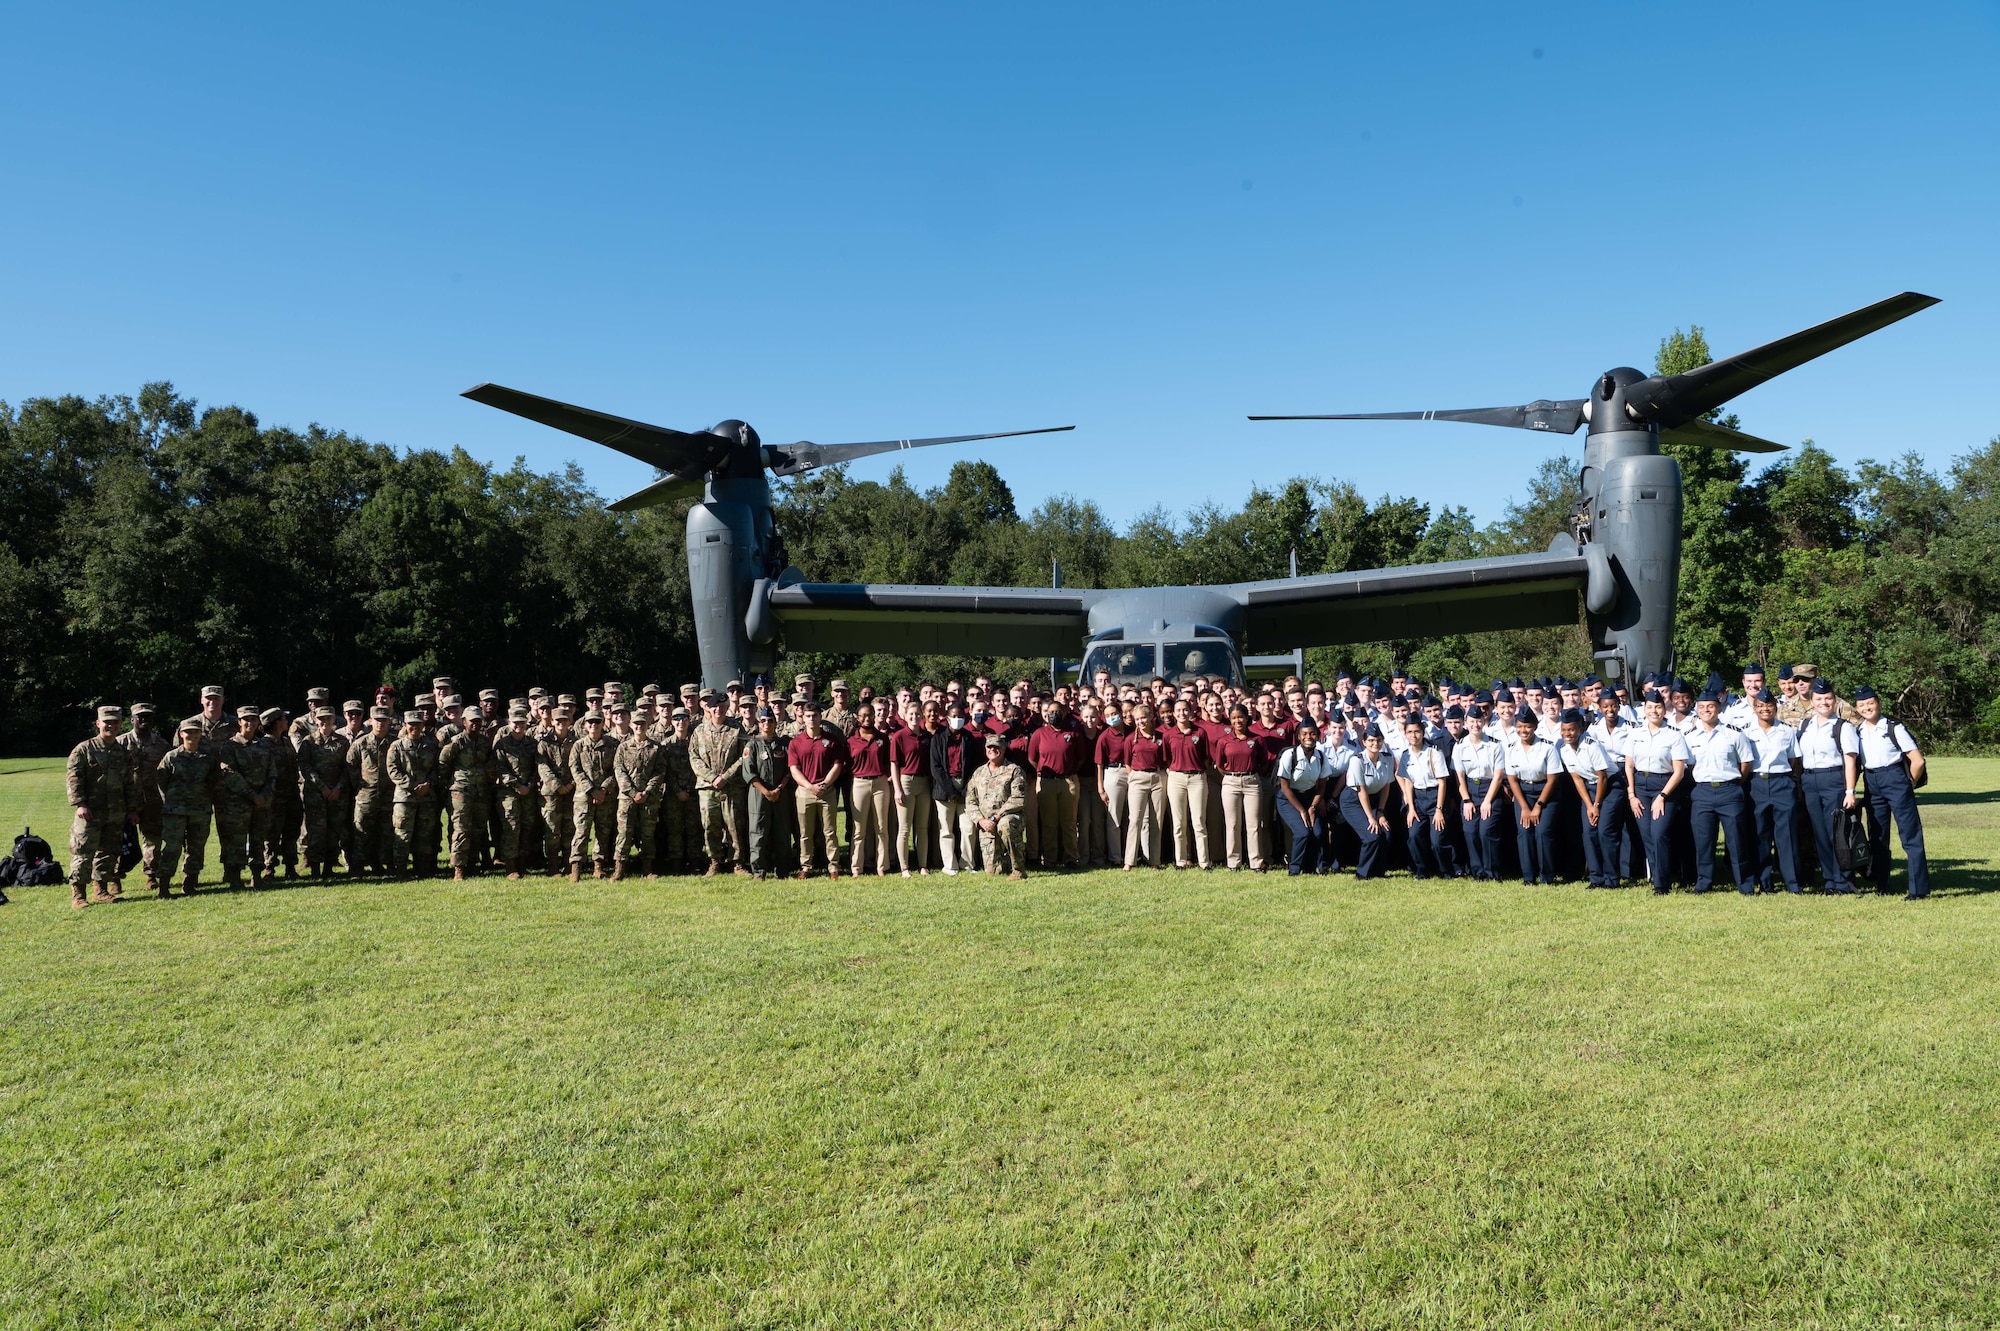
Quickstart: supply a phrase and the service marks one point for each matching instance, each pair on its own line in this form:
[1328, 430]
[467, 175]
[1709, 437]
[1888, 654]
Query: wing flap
[1421, 600]
[930, 621]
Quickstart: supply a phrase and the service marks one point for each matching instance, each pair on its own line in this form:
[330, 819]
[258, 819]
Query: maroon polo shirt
[1051, 751]
[816, 756]
[1275, 739]
[1112, 747]
[1146, 755]
[1240, 757]
[1186, 752]
[868, 756]
[909, 749]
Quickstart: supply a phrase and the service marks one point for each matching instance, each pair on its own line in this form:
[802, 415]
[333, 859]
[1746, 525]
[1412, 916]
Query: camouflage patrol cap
[142, 709]
[109, 712]
[801, 681]
[521, 703]
[326, 714]
[690, 690]
[710, 698]
[1805, 671]
[838, 686]
[471, 712]
[614, 686]
[620, 709]
[593, 717]
[352, 705]
[246, 714]
[995, 742]
[426, 700]
[443, 682]
[517, 713]
[413, 718]
[191, 724]
[211, 690]
[565, 712]
[319, 695]
[537, 692]
[680, 714]
[489, 695]
[380, 714]
[592, 695]
[565, 700]
[733, 686]
[650, 690]
[270, 716]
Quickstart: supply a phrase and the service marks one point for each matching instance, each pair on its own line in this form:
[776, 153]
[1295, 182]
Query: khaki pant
[1006, 844]
[1145, 811]
[950, 825]
[1187, 796]
[595, 826]
[816, 828]
[913, 823]
[1114, 814]
[1243, 818]
[872, 821]
[1055, 797]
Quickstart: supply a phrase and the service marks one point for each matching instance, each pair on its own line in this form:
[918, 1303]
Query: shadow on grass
[1960, 797]
[1955, 877]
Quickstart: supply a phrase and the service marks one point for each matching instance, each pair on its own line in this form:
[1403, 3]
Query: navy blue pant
[1825, 788]
[1538, 845]
[1613, 817]
[1309, 848]
[1721, 806]
[1482, 835]
[1374, 855]
[1890, 792]
[1430, 849]
[1774, 811]
[1656, 832]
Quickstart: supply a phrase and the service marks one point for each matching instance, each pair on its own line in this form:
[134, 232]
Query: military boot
[77, 899]
[618, 871]
[187, 886]
[117, 886]
[457, 874]
[646, 866]
[597, 869]
[714, 868]
[233, 879]
[576, 871]
[291, 868]
[159, 886]
[103, 895]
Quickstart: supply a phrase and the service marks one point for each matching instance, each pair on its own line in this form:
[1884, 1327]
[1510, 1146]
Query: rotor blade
[790, 459]
[662, 491]
[1676, 399]
[1707, 434]
[670, 450]
[1560, 417]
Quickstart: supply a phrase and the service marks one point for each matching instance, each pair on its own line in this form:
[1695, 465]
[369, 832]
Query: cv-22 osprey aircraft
[1618, 563]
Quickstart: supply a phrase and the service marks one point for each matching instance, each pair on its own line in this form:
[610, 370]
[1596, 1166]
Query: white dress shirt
[1775, 747]
[1719, 753]
[1532, 764]
[1481, 760]
[1586, 760]
[1373, 775]
[1424, 769]
[1654, 751]
[1303, 772]
[1818, 746]
[1880, 748]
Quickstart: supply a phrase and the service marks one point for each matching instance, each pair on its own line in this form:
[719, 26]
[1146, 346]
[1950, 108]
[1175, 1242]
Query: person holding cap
[189, 778]
[1895, 768]
[995, 798]
[148, 746]
[104, 791]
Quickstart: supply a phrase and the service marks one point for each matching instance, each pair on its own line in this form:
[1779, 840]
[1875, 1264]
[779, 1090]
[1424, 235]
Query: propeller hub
[736, 432]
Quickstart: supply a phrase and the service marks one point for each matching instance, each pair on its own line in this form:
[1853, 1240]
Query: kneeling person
[994, 799]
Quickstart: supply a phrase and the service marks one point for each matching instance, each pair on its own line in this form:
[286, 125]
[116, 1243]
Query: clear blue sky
[857, 222]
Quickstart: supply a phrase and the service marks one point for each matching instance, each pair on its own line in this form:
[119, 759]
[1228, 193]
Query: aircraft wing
[931, 621]
[1418, 601]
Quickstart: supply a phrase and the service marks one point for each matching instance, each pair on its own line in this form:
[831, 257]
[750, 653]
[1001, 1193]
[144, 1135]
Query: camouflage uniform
[1001, 794]
[188, 784]
[679, 814]
[467, 763]
[715, 749]
[640, 768]
[558, 798]
[323, 768]
[103, 780]
[413, 763]
[288, 809]
[374, 801]
[146, 755]
[519, 760]
[593, 765]
[243, 814]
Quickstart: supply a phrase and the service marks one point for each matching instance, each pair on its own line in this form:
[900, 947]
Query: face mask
[958, 723]
[1114, 721]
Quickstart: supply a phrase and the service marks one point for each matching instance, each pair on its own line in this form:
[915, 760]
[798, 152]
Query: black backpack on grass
[32, 863]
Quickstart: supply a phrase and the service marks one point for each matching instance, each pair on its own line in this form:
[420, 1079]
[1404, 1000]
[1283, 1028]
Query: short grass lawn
[1105, 1099]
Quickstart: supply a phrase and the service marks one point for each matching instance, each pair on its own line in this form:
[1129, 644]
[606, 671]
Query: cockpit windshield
[1128, 662]
[1137, 662]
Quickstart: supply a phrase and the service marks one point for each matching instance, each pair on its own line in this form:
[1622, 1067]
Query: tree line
[153, 546]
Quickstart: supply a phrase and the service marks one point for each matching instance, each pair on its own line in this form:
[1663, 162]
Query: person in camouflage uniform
[679, 833]
[466, 764]
[104, 791]
[450, 708]
[995, 797]
[287, 810]
[593, 766]
[189, 778]
[148, 746]
[306, 724]
[558, 792]
[324, 791]
[519, 778]
[374, 793]
[243, 814]
[413, 762]
[642, 780]
[217, 725]
[840, 717]
[715, 751]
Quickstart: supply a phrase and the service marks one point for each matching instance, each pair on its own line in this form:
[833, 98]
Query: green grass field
[1105, 1099]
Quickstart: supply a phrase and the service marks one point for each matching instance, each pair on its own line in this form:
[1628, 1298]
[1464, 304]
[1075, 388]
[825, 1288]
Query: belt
[1717, 785]
[1773, 776]
[1886, 767]
[1113, 767]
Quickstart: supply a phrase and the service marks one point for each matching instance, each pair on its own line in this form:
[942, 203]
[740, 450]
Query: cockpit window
[1206, 656]
[1128, 662]
[1137, 662]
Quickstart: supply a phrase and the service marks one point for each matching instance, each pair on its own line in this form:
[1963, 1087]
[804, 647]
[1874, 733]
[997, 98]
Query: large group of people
[1549, 780]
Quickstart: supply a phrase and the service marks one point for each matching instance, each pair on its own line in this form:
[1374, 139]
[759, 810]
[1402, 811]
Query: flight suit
[146, 755]
[1001, 794]
[413, 827]
[102, 779]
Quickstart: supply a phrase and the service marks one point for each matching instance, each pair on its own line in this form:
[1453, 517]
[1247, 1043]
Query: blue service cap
[1454, 713]
[1680, 685]
[1483, 698]
[1709, 695]
[1752, 668]
[1715, 684]
[1865, 692]
[1765, 695]
[1784, 672]
[1822, 686]
[1517, 683]
[1573, 716]
[1432, 700]
[1373, 730]
[1590, 679]
[1503, 695]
